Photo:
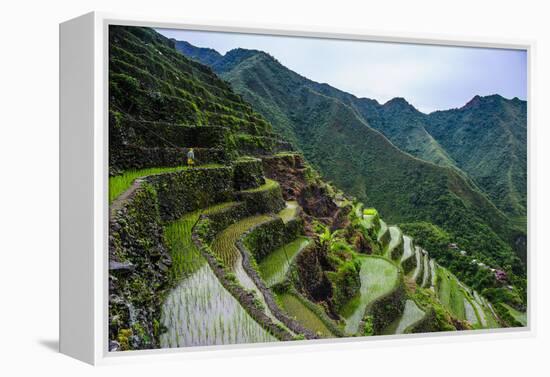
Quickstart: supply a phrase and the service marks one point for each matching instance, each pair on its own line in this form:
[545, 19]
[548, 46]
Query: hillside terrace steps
[139, 157]
[426, 278]
[383, 233]
[417, 273]
[394, 249]
[433, 275]
[411, 315]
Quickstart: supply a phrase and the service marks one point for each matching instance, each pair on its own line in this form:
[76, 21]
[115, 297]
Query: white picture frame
[84, 188]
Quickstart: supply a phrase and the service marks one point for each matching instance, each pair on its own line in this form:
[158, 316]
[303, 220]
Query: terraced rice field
[407, 248]
[378, 277]
[289, 212]
[396, 240]
[120, 183]
[383, 230]
[411, 314]
[186, 259]
[199, 310]
[450, 293]
[296, 309]
[471, 313]
[433, 276]
[518, 316]
[268, 185]
[224, 246]
[479, 307]
[274, 267]
[427, 275]
[419, 263]
[487, 311]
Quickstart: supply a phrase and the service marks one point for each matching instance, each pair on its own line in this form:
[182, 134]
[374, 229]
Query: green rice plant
[378, 277]
[289, 212]
[186, 258]
[294, 307]
[224, 245]
[200, 311]
[520, 317]
[274, 267]
[450, 293]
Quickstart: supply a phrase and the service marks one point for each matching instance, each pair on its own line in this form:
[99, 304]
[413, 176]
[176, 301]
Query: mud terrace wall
[137, 157]
[266, 200]
[427, 324]
[125, 131]
[389, 307]
[138, 263]
[248, 173]
[188, 190]
[289, 170]
[409, 264]
[271, 235]
[202, 236]
[260, 145]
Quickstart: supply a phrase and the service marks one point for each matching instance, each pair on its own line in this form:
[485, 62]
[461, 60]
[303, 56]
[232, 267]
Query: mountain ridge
[275, 91]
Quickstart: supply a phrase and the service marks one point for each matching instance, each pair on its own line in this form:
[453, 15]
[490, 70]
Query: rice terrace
[250, 204]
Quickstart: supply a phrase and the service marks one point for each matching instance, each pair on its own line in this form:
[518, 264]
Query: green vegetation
[274, 267]
[520, 317]
[438, 318]
[378, 277]
[289, 212]
[268, 185]
[186, 259]
[205, 256]
[120, 183]
[224, 246]
[411, 314]
[311, 115]
[449, 293]
[395, 247]
[488, 140]
[293, 306]
[436, 240]
[199, 311]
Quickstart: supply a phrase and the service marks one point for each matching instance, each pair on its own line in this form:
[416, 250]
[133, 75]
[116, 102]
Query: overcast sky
[429, 77]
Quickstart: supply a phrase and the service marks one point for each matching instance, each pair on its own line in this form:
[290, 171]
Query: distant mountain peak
[478, 101]
[399, 103]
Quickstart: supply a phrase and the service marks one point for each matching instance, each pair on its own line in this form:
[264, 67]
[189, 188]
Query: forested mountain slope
[245, 242]
[488, 139]
[329, 126]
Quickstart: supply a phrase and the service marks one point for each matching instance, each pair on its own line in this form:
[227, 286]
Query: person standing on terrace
[190, 157]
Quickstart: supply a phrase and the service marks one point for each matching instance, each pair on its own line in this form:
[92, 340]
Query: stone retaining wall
[138, 265]
[188, 190]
